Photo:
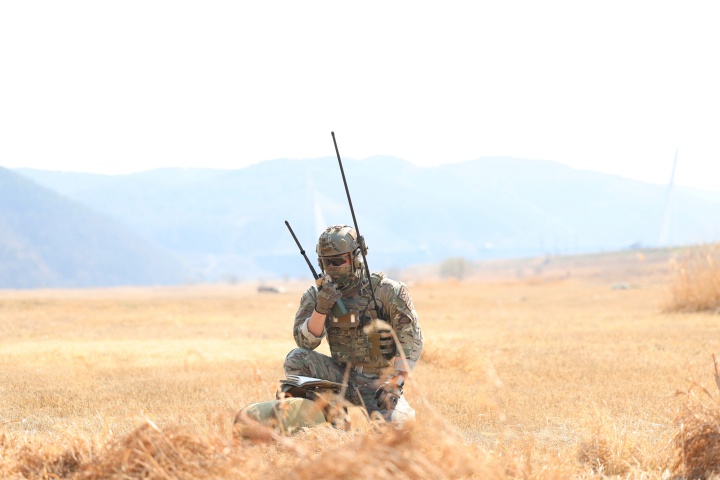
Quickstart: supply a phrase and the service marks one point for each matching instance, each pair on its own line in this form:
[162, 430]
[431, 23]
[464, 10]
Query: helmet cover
[336, 241]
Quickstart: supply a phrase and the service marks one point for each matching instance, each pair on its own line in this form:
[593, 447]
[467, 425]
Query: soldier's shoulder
[311, 292]
[388, 284]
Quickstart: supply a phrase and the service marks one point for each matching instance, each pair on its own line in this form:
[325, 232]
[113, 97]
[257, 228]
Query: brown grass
[696, 280]
[149, 452]
[536, 379]
[697, 443]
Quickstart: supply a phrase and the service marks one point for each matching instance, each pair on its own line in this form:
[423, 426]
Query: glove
[389, 393]
[326, 298]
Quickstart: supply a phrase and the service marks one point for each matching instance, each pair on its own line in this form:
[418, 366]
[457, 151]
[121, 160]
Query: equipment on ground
[301, 402]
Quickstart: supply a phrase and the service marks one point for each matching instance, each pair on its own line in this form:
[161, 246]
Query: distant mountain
[229, 223]
[47, 240]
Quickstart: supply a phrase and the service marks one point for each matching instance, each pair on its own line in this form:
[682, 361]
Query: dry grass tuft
[44, 459]
[697, 444]
[607, 453]
[53, 461]
[392, 452]
[696, 280]
[149, 452]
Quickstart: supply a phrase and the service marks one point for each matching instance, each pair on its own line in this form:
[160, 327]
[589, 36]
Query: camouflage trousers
[361, 387]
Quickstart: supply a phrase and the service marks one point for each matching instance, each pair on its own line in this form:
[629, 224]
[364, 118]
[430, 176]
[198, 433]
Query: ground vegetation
[551, 375]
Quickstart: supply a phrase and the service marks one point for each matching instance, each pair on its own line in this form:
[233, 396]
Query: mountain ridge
[47, 240]
[230, 223]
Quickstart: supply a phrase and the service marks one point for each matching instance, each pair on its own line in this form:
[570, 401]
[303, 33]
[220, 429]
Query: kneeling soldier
[363, 339]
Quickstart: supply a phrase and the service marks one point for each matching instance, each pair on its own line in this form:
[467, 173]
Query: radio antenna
[361, 240]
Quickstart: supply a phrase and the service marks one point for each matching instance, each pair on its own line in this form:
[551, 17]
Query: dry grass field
[552, 369]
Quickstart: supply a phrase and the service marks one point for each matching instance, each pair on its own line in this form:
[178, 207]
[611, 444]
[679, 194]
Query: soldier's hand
[326, 298]
[389, 393]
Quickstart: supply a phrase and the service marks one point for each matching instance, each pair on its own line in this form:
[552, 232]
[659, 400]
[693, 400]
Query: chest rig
[368, 350]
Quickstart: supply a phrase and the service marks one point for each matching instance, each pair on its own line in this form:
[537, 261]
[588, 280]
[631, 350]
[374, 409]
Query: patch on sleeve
[405, 297]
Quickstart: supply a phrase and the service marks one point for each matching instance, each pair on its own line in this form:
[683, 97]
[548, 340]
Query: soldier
[361, 340]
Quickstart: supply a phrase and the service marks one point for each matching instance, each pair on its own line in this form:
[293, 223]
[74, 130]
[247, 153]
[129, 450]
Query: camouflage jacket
[396, 308]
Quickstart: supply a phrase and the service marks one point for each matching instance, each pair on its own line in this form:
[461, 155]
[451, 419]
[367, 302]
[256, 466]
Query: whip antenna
[361, 240]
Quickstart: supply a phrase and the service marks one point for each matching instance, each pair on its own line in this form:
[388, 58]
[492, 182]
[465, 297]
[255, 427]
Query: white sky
[115, 87]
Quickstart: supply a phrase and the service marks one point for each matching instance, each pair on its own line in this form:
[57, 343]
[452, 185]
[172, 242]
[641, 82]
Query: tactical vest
[349, 343]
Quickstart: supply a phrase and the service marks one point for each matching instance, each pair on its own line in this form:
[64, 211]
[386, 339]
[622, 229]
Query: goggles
[336, 261]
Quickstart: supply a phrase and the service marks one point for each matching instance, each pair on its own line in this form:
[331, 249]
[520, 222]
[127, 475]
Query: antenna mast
[361, 240]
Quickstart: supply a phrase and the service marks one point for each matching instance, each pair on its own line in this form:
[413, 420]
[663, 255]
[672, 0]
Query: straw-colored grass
[696, 280]
[533, 379]
[697, 443]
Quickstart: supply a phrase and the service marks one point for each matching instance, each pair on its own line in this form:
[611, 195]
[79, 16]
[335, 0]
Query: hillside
[47, 240]
[229, 223]
[621, 269]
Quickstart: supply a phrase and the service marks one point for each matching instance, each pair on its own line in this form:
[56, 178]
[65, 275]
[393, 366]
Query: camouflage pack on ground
[281, 417]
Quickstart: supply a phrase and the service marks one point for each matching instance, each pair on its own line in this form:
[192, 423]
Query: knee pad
[295, 356]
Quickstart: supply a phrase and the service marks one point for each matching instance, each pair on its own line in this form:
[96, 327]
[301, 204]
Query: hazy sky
[115, 87]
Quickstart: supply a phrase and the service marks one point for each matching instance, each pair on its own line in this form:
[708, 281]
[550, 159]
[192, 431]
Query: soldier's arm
[316, 324]
[304, 338]
[404, 320]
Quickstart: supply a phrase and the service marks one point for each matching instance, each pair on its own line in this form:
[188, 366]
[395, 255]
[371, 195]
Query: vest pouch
[348, 321]
[382, 343]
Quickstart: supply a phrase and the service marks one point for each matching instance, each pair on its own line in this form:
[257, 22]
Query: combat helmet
[339, 255]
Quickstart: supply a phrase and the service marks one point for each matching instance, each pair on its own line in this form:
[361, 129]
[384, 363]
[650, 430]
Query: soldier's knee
[297, 352]
[295, 358]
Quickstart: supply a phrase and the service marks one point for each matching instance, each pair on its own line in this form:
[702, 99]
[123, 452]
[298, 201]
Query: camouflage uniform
[362, 342]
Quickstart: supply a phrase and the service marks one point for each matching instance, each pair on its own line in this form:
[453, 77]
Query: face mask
[340, 275]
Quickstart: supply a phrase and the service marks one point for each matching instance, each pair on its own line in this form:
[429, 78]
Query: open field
[527, 372]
